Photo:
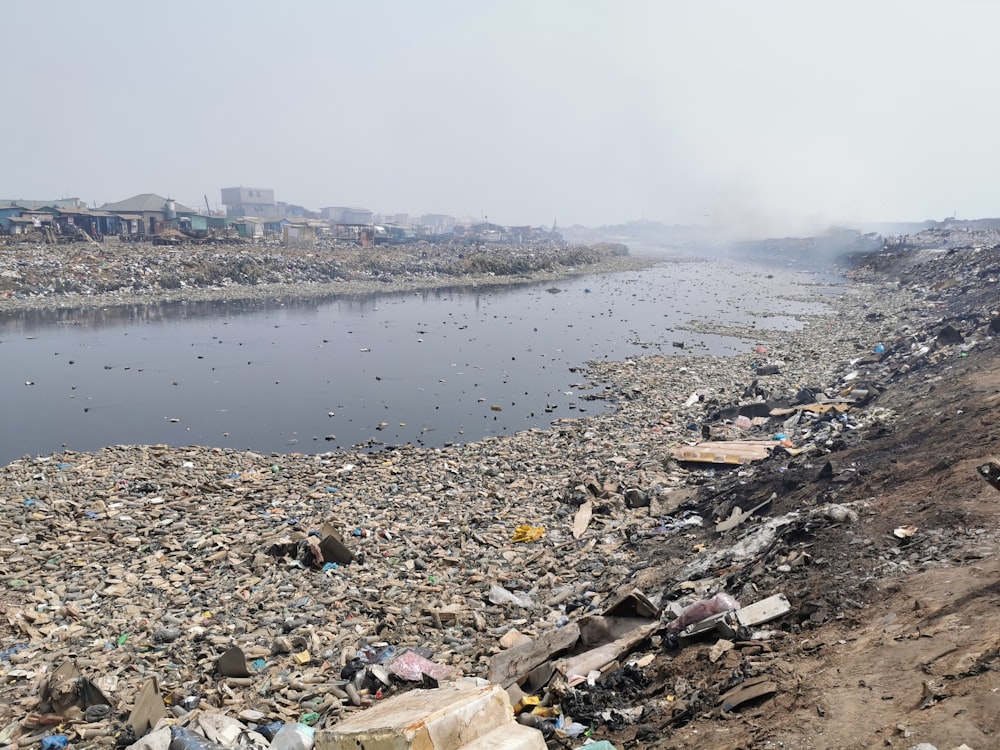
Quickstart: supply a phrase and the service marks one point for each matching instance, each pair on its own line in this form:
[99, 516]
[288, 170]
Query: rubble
[85, 275]
[148, 586]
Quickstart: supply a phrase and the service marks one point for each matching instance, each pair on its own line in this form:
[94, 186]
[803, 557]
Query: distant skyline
[750, 118]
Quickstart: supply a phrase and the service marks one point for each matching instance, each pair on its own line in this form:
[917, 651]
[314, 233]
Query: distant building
[34, 205]
[249, 227]
[9, 211]
[437, 223]
[344, 215]
[250, 201]
[149, 212]
[301, 233]
[95, 224]
[293, 211]
[30, 221]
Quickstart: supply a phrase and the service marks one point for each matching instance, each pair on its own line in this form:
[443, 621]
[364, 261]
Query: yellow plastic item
[546, 712]
[526, 703]
[526, 533]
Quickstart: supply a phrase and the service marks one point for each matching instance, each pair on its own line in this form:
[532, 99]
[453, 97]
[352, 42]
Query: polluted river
[428, 368]
[508, 468]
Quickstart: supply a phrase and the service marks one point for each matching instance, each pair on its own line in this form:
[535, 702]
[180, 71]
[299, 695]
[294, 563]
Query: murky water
[427, 368]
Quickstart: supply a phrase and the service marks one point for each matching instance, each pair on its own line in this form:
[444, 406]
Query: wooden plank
[764, 611]
[838, 407]
[736, 452]
[580, 665]
[757, 687]
[511, 665]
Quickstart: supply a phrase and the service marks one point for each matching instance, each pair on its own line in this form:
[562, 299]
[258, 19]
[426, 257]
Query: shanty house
[7, 213]
[249, 227]
[31, 221]
[154, 212]
[347, 216]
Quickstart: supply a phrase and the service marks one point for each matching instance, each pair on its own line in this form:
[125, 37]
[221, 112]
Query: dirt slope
[892, 641]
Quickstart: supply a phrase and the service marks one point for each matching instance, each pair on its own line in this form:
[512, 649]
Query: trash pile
[87, 274]
[618, 576]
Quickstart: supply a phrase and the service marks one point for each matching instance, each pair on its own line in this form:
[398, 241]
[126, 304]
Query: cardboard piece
[582, 518]
[91, 694]
[728, 624]
[596, 641]
[667, 502]
[539, 677]
[576, 668]
[511, 665]
[840, 408]
[763, 611]
[737, 452]
[632, 604]
[333, 547]
[61, 690]
[756, 687]
[148, 709]
[457, 715]
[738, 515]
[225, 730]
[233, 663]
[720, 621]
[627, 621]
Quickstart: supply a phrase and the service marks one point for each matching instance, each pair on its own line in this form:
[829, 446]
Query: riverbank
[87, 276]
[150, 561]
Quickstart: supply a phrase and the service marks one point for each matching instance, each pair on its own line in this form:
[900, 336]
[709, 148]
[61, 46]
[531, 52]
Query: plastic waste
[528, 533]
[546, 726]
[295, 736]
[267, 731]
[55, 742]
[840, 513]
[721, 602]
[185, 739]
[500, 595]
[97, 712]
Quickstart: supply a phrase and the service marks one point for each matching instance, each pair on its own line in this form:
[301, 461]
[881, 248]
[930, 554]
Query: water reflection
[127, 313]
[318, 373]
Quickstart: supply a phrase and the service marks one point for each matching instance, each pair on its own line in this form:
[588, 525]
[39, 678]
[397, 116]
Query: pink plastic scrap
[703, 609]
[411, 666]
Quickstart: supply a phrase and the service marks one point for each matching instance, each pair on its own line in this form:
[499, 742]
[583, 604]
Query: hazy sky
[763, 115]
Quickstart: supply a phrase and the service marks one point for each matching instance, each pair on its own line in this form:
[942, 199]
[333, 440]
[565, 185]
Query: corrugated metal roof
[146, 202]
[30, 219]
[31, 205]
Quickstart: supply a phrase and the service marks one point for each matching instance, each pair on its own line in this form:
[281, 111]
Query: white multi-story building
[250, 201]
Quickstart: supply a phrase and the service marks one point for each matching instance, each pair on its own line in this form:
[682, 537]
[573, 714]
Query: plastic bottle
[185, 739]
[295, 736]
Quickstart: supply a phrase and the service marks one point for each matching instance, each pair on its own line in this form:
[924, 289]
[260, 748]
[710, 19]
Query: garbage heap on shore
[166, 597]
